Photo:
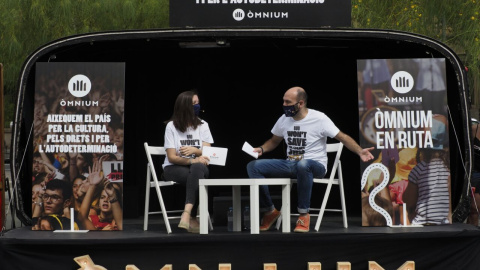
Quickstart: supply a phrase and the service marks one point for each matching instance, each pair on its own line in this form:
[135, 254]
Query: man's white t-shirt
[306, 138]
[192, 137]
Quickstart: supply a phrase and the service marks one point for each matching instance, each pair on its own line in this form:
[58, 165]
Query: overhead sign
[261, 13]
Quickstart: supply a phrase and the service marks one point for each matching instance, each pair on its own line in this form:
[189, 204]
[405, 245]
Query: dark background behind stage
[240, 87]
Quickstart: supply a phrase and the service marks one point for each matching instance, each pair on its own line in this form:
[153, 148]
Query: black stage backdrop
[241, 83]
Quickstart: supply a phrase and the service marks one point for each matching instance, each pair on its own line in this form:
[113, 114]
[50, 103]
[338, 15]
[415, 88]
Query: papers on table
[217, 155]
[247, 148]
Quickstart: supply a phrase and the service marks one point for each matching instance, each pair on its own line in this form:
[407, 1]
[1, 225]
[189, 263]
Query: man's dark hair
[62, 185]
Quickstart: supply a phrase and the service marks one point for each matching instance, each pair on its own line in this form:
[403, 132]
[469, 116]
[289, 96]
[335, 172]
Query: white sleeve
[205, 133]
[169, 136]
[277, 129]
[329, 128]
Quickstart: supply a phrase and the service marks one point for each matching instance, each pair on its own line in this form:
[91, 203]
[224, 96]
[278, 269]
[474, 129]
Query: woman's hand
[95, 175]
[201, 159]
[187, 151]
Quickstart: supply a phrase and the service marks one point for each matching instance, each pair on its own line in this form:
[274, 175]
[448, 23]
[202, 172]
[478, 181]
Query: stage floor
[133, 228]
[431, 247]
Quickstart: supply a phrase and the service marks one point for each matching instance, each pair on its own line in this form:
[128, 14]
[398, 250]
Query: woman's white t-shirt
[192, 137]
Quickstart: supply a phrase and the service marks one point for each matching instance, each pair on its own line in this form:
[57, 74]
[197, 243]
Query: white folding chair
[336, 170]
[152, 182]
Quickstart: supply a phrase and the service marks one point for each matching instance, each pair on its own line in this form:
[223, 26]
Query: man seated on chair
[305, 131]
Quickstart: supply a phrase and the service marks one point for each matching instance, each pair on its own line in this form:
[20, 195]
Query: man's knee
[251, 166]
[303, 166]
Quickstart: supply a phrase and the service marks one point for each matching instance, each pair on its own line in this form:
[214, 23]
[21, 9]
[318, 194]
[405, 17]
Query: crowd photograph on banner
[78, 136]
[403, 113]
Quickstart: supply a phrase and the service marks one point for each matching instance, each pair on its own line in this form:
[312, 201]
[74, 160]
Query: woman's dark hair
[427, 154]
[183, 115]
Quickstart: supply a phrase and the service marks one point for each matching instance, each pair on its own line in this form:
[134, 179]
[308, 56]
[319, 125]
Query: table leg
[254, 209]
[237, 208]
[286, 208]
[203, 205]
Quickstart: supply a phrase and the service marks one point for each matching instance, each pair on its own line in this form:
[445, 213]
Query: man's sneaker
[269, 219]
[303, 224]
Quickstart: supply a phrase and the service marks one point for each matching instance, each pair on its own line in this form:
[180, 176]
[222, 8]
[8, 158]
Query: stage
[433, 247]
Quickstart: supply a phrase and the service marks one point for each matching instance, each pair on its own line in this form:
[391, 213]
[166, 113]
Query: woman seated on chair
[185, 135]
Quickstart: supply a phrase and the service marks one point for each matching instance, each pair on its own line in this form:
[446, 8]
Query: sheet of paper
[247, 148]
[217, 155]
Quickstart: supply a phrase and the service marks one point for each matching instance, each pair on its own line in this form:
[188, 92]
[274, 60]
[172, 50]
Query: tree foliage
[455, 23]
[25, 25]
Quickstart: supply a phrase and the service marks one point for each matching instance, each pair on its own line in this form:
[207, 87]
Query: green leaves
[453, 22]
[25, 25]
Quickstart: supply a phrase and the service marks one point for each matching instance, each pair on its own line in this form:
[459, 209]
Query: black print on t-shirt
[190, 142]
[297, 141]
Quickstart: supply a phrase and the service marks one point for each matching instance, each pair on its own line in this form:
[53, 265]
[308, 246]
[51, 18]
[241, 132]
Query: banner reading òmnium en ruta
[78, 146]
[403, 115]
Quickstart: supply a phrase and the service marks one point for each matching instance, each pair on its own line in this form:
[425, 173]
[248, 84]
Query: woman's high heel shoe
[184, 225]
[194, 229]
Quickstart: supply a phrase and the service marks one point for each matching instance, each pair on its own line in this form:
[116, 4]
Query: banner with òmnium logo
[403, 115]
[270, 13]
[78, 144]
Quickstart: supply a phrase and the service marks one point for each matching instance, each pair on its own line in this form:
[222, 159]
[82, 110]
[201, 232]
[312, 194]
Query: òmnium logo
[402, 82]
[238, 14]
[79, 85]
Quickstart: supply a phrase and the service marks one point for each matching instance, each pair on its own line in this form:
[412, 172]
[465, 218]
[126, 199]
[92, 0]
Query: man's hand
[258, 150]
[365, 154]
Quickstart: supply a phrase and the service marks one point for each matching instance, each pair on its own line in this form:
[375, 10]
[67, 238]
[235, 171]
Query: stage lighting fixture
[86, 263]
[314, 266]
[344, 266]
[222, 42]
